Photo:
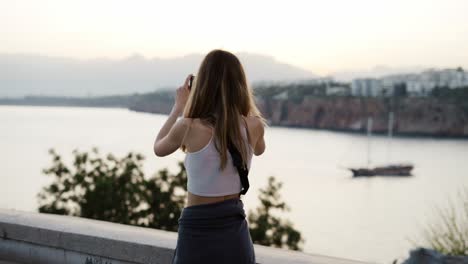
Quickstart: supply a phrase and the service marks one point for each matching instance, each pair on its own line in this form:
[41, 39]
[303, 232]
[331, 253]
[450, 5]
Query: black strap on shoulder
[239, 164]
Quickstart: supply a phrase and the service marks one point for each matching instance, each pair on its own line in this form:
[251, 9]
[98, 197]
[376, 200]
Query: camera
[190, 82]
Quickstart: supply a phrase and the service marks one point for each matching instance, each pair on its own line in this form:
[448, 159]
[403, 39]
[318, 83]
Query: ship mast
[390, 136]
[369, 134]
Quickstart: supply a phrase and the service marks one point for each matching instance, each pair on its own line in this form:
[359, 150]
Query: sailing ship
[387, 170]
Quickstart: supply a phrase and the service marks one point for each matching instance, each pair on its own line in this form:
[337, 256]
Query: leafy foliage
[115, 189]
[458, 96]
[267, 229]
[449, 235]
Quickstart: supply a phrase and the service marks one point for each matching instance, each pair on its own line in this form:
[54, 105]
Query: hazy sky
[321, 36]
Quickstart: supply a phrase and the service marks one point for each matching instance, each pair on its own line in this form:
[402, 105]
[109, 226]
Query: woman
[218, 109]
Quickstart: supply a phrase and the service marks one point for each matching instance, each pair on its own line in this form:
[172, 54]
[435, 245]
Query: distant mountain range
[29, 74]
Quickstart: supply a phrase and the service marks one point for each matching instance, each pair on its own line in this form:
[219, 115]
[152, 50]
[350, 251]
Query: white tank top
[203, 175]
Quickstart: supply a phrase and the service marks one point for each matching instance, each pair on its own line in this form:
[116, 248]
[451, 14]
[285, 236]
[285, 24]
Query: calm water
[367, 219]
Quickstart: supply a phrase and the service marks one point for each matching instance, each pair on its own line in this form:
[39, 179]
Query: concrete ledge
[27, 237]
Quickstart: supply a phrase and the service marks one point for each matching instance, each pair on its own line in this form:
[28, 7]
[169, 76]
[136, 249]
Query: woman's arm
[260, 143]
[171, 133]
[167, 141]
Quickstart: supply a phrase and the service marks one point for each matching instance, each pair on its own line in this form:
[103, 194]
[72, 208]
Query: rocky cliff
[412, 116]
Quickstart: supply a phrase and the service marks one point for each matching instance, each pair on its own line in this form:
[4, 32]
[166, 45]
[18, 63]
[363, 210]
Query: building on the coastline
[417, 84]
[339, 90]
[281, 96]
[366, 87]
[413, 84]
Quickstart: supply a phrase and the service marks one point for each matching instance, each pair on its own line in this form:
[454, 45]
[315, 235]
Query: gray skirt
[214, 233]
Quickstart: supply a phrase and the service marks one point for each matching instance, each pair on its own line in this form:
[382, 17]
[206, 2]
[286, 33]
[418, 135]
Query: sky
[320, 36]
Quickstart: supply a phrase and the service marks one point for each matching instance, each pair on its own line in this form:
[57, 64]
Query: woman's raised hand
[182, 94]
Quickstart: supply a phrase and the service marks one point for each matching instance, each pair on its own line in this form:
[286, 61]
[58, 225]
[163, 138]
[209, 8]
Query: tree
[267, 229]
[115, 190]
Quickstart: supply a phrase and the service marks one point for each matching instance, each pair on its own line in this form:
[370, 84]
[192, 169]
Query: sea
[376, 219]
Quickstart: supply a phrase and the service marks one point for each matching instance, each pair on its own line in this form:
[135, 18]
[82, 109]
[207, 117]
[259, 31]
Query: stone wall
[27, 237]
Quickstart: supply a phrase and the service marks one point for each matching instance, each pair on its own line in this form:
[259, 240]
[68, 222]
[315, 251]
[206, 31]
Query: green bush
[267, 229]
[116, 190]
[449, 235]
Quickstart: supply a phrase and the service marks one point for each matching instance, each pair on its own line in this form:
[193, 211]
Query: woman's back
[201, 132]
[206, 182]
[204, 175]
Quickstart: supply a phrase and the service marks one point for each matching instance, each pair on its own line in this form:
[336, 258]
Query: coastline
[377, 133]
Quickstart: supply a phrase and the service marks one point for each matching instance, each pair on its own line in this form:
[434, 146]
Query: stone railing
[27, 237]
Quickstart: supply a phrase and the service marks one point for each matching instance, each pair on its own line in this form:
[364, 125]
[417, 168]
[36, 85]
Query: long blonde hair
[219, 95]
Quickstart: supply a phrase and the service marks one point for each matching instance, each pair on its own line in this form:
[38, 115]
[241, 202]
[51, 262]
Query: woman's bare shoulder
[254, 121]
[255, 125]
[189, 121]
